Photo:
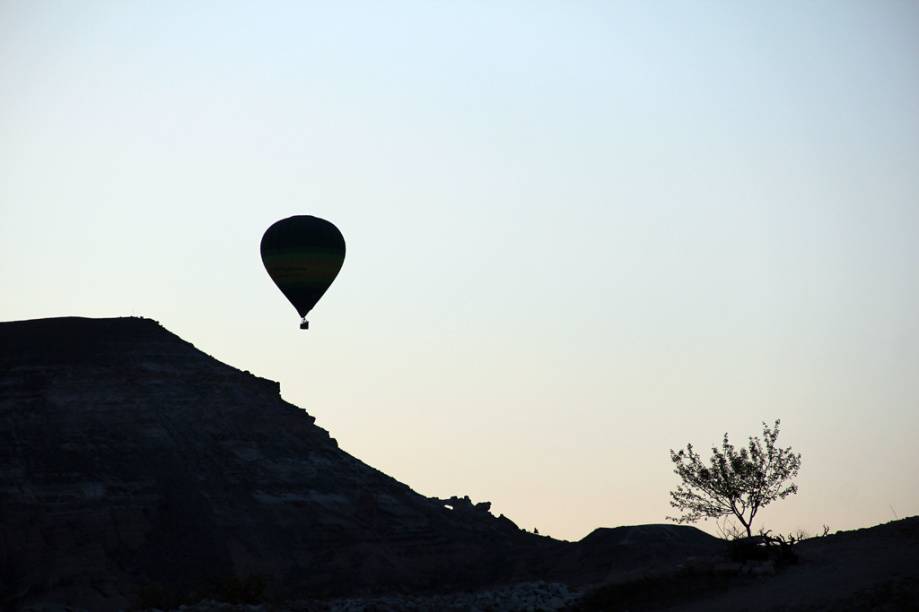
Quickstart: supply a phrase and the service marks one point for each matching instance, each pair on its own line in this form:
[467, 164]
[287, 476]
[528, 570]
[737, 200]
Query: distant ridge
[130, 461]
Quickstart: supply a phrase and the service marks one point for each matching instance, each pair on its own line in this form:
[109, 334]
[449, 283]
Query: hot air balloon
[303, 255]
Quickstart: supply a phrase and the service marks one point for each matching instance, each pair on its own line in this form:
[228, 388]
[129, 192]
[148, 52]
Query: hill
[875, 568]
[134, 467]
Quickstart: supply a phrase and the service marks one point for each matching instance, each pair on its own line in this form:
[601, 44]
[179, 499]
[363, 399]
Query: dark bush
[763, 548]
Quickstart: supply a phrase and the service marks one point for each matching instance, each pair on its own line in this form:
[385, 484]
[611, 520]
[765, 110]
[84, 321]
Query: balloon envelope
[303, 255]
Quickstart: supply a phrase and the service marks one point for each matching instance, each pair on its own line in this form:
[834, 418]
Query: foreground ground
[869, 569]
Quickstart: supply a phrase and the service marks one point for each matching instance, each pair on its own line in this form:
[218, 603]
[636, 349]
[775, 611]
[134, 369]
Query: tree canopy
[736, 483]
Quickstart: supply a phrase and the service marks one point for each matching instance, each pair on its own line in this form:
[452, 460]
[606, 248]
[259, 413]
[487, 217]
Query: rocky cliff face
[130, 460]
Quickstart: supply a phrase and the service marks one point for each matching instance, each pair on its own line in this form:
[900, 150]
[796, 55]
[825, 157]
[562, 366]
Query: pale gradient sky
[579, 233]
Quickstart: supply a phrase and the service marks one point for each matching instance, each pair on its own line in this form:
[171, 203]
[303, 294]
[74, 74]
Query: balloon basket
[304, 324]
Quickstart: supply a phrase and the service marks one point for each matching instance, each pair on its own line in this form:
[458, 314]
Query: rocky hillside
[132, 463]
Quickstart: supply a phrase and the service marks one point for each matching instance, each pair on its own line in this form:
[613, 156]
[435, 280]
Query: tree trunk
[746, 525]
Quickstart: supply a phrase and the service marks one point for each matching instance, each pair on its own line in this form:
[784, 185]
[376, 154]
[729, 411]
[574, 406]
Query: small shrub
[743, 550]
[764, 547]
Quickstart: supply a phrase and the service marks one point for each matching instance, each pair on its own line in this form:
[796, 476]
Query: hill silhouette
[133, 463]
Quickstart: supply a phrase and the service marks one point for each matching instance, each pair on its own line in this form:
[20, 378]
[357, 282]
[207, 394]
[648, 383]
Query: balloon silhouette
[303, 255]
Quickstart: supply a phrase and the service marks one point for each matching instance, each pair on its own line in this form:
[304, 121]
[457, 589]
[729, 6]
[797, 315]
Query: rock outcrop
[131, 463]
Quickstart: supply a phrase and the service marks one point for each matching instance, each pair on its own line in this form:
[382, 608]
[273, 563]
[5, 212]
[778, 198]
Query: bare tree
[735, 483]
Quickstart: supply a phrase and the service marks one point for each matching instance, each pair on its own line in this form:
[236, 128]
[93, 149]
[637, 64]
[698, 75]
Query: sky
[579, 234]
